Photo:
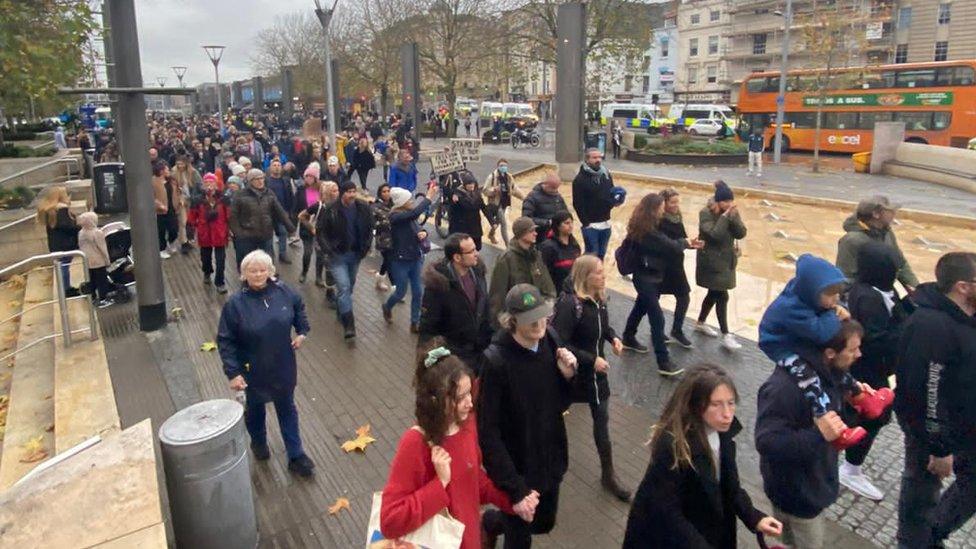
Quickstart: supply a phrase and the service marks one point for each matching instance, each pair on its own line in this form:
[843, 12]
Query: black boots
[609, 479]
[348, 325]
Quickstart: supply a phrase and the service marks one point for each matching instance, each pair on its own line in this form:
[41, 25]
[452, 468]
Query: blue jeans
[595, 241]
[254, 419]
[282, 233]
[344, 268]
[66, 271]
[403, 271]
[648, 302]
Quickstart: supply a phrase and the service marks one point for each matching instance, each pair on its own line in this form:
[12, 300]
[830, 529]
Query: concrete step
[30, 417]
[11, 303]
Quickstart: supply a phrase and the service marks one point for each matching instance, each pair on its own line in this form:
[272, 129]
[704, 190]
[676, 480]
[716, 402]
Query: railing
[58, 263]
[22, 175]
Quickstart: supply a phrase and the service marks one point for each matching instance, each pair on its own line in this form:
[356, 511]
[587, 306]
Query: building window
[714, 15]
[712, 45]
[693, 47]
[941, 51]
[901, 53]
[945, 13]
[646, 87]
[711, 74]
[692, 75]
[758, 44]
[695, 18]
[664, 47]
[904, 18]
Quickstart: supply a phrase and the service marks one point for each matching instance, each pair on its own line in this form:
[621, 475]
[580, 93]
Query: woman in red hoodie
[209, 218]
[438, 462]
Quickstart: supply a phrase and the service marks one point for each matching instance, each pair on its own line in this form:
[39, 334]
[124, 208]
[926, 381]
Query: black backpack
[627, 256]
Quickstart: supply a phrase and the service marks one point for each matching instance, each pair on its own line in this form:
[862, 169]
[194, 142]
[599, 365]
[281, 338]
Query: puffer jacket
[541, 206]
[858, 234]
[254, 213]
[210, 222]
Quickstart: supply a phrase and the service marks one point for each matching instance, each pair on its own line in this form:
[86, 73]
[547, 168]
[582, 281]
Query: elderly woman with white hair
[257, 349]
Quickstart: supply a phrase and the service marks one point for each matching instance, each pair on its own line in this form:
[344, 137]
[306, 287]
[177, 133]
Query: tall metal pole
[135, 151]
[215, 53]
[570, 65]
[325, 17]
[180, 72]
[781, 97]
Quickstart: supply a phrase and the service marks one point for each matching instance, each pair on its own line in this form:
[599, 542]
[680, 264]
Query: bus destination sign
[881, 99]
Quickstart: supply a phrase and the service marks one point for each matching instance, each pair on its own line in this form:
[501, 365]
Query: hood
[876, 266]
[813, 276]
[928, 296]
[852, 225]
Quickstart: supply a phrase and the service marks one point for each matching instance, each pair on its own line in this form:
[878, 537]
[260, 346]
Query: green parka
[715, 268]
[517, 266]
[859, 234]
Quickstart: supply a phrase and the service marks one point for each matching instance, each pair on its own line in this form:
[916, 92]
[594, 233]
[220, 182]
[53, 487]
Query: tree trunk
[384, 97]
[451, 96]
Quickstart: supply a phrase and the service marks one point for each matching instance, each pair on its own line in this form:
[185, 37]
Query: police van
[686, 114]
[634, 115]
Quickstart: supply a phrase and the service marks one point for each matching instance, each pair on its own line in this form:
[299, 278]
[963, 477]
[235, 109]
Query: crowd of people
[503, 351]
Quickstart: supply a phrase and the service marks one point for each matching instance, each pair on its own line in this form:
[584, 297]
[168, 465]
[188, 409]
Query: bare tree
[293, 40]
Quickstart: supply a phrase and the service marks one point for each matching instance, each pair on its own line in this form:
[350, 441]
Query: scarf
[602, 171]
[673, 218]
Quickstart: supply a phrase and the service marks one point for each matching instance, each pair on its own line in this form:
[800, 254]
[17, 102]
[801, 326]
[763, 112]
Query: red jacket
[413, 493]
[211, 233]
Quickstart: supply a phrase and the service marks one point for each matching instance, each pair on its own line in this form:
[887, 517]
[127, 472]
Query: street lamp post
[781, 97]
[161, 80]
[215, 53]
[325, 17]
[180, 72]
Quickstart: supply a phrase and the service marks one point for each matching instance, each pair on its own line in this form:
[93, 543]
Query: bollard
[208, 476]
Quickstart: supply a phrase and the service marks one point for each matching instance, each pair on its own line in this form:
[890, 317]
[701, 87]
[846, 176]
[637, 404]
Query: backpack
[627, 257]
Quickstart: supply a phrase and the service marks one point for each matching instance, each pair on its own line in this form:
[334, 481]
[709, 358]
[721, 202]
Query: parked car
[705, 126]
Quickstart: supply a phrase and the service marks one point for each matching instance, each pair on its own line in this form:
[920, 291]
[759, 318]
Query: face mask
[502, 169]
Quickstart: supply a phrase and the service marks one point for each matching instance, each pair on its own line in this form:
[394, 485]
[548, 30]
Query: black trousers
[362, 173]
[100, 286]
[168, 228]
[720, 299]
[518, 533]
[308, 248]
[208, 256]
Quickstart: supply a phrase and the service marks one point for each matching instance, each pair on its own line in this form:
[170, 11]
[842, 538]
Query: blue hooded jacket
[794, 321]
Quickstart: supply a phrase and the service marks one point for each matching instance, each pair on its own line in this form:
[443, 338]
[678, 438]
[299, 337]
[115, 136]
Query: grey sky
[172, 31]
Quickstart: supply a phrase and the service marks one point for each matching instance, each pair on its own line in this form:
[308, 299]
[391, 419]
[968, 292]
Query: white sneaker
[859, 483]
[729, 342]
[705, 329]
[164, 254]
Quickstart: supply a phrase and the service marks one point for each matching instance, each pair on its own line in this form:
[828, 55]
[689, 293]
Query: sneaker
[872, 406]
[107, 302]
[185, 248]
[630, 343]
[849, 437]
[668, 368]
[414, 327]
[301, 466]
[221, 289]
[301, 279]
[729, 342]
[261, 451]
[164, 254]
[667, 339]
[859, 483]
[319, 283]
[387, 314]
[703, 328]
[682, 339]
[206, 280]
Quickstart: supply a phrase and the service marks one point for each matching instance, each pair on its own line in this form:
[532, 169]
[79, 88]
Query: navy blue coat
[404, 229]
[254, 336]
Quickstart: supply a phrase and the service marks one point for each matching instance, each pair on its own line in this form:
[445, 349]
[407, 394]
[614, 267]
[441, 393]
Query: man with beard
[872, 221]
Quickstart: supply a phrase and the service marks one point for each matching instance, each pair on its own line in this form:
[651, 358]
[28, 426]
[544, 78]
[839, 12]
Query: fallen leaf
[362, 439]
[340, 504]
[34, 450]
[177, 312]
[14, 304]
[208, 346]
[49, 428]
[17, 281]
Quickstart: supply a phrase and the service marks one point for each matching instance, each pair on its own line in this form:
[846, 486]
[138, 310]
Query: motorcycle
[522, 136]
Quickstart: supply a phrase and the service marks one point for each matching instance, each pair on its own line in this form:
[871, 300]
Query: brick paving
[342, 387]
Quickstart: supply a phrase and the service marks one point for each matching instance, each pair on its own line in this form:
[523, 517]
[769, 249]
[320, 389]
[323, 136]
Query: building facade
[662, 63]
[702, 73]
[934, 30]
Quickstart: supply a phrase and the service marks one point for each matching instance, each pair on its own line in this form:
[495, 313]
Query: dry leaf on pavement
[34, 450]
[340, 504]
[208, 346]
[360, 442]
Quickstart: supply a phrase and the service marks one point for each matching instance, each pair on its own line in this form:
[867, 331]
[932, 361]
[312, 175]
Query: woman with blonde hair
[583, 324]
[53, 210]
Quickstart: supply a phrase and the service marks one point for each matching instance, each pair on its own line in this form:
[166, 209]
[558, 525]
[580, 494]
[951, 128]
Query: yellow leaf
[208, 346]
[362, 440]
[14, 304]
[34, 450]
[340, 504]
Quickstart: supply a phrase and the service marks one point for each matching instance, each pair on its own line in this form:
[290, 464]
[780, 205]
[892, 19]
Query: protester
[466, 208]
[165, 202]
[187, 178]
[281, 188]
[91, 241]
[561, 249]
[389, 150]
[675, 280]
[308, 202]
[210, 219]
[935, 406]
[254, 211]
[500, 187]
[797, 461]
[691, 495]
[756, 145]
[437, 464]
[362, 161]
[872, 220]
[403, 174]
[54, 211]
[257, 349]
[383, 240]
[455, 304]
[521, 263]
[719, 226]
[583, 324]
[543, 203]
[593, 198]
[407, 251]
[334, 171]
[525, 388]
[344, 231]
[616, 138]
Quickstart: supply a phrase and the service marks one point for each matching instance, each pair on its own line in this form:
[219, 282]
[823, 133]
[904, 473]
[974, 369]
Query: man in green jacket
[522, 263]
[872, 221]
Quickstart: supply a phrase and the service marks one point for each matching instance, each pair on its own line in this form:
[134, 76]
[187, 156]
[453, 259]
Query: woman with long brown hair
[53, 210]
[655, 250]
[690, 495]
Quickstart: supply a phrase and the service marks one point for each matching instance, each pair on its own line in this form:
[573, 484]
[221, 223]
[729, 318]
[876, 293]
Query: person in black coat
[543, 203]
[690, 496]
[561, 249]
[675, 280]
[583, 324]
[54, 211]
[362, 161]
[466, 208]
[593, 198]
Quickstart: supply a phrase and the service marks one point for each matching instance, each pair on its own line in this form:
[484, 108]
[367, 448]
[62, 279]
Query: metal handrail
[60, 160]
[16, 222]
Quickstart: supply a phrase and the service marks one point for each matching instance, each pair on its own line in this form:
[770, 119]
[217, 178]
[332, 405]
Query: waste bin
[862, 162]
[208, 476]
[596, 140]
[108, 188]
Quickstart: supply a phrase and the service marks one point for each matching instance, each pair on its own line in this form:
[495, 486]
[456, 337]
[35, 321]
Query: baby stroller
[118, 239]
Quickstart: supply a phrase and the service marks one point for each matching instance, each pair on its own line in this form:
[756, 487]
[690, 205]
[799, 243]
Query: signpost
[469, 149]
[443, 163]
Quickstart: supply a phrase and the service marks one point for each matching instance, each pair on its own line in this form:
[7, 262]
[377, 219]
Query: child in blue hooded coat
[805, 317]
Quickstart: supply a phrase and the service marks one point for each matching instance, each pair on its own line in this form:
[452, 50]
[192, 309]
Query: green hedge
[640, 141]
[19, 136]
[683, 144]
[18, 197]
[9, 150]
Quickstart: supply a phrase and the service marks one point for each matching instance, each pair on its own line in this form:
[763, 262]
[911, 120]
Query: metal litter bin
[208, 476]
[108, 188]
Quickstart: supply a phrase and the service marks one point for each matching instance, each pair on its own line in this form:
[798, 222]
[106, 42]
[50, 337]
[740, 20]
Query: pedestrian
[872, 220]
[390, 151]
[561, 249]
[617, 138]
[521, 263]
[54, 211]
[334, 171]
[797, 461]
[362, 161]
[455, 303]
[403, 174]
[280, 187]
[466, 208]
[690, 495]
[654, 251]
[166, 217]
[719, 226]
[254, 212]
[525, 388]
[437, 464]
[383, 239]
[257, 350]
[594, 195]
[191, 188]
[408, 242]
[210, 219]
[935, 407]
[500, 187]
[675, 280]
[583, 324]
[60, 143]
[344, 231]
[91, 241]
[756, 145]
[467, 127]
[542, 204]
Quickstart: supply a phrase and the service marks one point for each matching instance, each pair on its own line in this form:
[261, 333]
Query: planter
[692, 159]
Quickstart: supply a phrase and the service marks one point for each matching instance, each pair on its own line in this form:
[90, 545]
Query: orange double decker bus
[936, 101]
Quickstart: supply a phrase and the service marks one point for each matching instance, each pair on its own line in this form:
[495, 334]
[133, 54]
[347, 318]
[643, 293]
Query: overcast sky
[172, 31]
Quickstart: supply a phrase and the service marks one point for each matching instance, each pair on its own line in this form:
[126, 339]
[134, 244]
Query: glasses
[471, 251]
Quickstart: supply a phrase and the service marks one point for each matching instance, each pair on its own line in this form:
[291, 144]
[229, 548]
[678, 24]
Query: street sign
[446, 162]
[470, 149]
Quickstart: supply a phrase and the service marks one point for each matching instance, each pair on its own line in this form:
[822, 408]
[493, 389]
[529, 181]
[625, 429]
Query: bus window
[915, 121]
[624, 113]
[940, 120]
[839, 120]
[772, 84]
[916, 79]
[954, 76]
[870, 118]
[801, 119]
[756, 85]
[875, 80]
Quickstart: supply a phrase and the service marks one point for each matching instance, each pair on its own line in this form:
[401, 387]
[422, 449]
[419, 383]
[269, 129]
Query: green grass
[683, 144]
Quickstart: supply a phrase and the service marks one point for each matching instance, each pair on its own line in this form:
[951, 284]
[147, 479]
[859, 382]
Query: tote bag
[440, 532]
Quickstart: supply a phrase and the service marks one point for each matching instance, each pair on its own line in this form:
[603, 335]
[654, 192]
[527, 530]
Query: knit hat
[522, 225]
[254, 174]
[333, 161]
[244, 160]
[399, 196]
[238, 170]
[209, 177]
[234, 180]
[723, 192]
[345, 185]
[313, 169]
[526, 304]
